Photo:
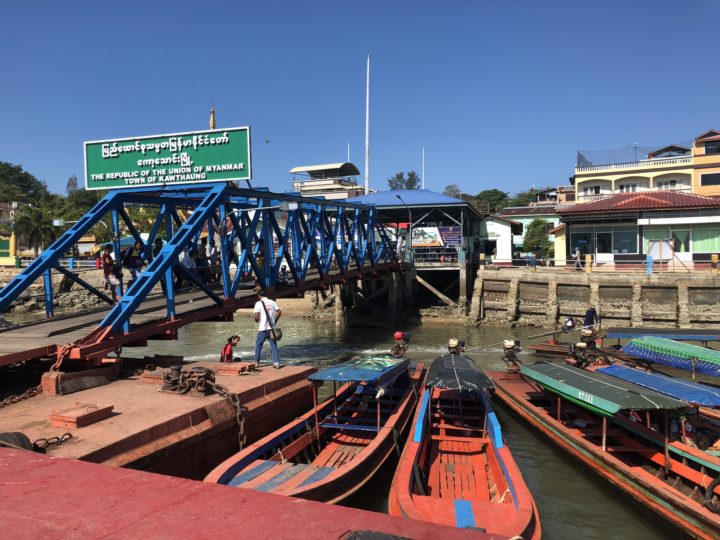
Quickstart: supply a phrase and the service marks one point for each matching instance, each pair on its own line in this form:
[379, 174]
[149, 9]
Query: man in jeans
[267, 313]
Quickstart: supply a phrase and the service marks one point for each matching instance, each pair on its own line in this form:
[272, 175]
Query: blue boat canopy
[370, 369]
[679, 334]
[689, 391]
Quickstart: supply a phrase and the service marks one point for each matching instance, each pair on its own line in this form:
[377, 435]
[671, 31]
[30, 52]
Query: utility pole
[367, 128]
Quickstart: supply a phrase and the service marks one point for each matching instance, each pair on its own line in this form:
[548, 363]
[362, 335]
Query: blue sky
[500, 94]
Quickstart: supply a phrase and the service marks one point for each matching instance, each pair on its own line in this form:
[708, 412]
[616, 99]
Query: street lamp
[410, 224]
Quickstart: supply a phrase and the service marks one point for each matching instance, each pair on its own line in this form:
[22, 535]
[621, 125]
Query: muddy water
[573, 502]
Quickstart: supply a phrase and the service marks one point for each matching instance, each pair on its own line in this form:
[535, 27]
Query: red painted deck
[45, 497]
[183, 435]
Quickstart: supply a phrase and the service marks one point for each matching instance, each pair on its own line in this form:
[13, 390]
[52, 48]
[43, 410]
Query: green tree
[400, 181]
[34, 227]
[536, 238]
[453, 190]
[524, 198]
[72, 185]
[19, 185]
[492, 200]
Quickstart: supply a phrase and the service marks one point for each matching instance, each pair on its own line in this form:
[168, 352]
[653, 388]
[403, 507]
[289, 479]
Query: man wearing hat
[454, 346]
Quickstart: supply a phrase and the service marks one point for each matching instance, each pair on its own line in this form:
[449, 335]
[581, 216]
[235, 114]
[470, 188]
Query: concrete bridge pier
[384, 300]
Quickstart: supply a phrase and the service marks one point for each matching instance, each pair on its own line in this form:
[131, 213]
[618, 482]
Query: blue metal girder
[317, 234]
[168, 255]
[50, 257]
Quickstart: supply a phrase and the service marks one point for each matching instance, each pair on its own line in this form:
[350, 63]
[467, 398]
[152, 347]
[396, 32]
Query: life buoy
[709, 492]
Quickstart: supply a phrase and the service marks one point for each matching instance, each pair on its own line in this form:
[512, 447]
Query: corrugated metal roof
[649, 200]
[410, 197]
[547, 210]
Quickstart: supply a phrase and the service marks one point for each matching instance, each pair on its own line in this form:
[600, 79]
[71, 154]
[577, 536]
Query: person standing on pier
[267, 313]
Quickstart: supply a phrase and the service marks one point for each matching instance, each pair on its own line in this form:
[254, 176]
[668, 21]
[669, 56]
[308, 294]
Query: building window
[615, 239]
[667, 184]
[628, 188]
[624, 241]
[712, 179]
[712, 147]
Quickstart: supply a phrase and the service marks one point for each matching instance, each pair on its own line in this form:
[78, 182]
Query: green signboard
[178, 158]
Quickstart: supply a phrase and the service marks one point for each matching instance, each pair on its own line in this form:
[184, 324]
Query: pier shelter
[622, 228]
[446, 237]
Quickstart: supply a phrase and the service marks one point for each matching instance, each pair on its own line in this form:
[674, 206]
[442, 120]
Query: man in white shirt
[267, 313]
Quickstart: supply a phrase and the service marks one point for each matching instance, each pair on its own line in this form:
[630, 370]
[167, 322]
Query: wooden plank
[266, 476]
[80, 415]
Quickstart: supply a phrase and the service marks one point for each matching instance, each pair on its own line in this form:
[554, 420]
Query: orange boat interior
[457, 461]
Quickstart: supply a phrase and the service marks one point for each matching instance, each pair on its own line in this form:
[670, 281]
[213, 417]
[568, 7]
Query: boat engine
[578, 351]
[589, 337]
[403, 342]
[511, 348]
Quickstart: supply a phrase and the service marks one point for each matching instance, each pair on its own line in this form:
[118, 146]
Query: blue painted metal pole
[224, 254]
[47, 282]
[118, 256]
[169, 275]
[649, 263]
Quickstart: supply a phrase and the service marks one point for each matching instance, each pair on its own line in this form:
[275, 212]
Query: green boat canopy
[596, 391]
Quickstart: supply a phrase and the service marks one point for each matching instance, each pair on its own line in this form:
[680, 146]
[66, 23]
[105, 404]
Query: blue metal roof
[677, 388]
[371, 369]
[411, 197]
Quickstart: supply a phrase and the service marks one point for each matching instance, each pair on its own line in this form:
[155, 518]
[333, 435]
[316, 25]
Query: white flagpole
[367, 129]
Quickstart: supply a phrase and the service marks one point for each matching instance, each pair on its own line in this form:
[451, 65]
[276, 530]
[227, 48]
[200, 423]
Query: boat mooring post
[559, 401]
[378, 414]
[667, 442]
[315, 409]
[604, 434]
[335, 401]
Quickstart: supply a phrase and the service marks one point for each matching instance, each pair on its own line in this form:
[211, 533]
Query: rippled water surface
[573, 502]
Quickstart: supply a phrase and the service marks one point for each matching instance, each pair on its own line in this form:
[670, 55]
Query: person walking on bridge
[267, 313]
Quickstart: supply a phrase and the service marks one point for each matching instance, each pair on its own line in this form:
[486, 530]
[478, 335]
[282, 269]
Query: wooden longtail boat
[456, 468]
[334, 449]
[705, 398]
[590, 416]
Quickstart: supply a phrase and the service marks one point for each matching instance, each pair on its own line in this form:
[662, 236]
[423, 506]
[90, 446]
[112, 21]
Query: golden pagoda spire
[212, 115]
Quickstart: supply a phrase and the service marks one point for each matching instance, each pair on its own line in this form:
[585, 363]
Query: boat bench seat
[349, 427]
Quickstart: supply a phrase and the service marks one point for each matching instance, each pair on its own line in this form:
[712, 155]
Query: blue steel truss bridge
[320, 242]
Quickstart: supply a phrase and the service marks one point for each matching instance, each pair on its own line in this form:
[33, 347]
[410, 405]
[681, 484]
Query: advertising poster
[426, 237]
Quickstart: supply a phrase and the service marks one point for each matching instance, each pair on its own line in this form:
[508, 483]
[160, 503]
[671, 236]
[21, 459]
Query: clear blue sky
[500, 94]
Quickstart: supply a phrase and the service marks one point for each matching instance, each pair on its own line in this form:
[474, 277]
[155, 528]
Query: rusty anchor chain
[30, 392]
[41, 445]
[202, 381]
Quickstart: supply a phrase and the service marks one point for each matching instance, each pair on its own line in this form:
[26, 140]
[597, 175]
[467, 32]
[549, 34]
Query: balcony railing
[598, 196]
[642, 164]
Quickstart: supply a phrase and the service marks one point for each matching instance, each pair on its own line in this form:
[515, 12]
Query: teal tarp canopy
[597, 392]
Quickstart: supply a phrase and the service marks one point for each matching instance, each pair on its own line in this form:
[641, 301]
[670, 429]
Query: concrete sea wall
[519, 296]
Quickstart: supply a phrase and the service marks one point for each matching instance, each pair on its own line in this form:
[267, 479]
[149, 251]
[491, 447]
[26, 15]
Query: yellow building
[692, 168]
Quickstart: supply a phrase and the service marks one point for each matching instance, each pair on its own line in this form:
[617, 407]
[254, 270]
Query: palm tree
[34, 227]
